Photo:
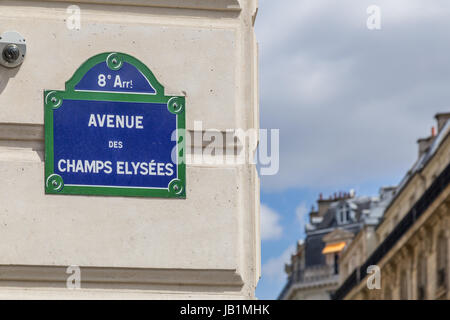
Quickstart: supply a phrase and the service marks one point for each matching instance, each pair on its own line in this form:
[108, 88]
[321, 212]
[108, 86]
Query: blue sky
[350, 104]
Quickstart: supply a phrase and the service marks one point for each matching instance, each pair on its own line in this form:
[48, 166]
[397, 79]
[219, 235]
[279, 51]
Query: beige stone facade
[413, 240]
[206, 246]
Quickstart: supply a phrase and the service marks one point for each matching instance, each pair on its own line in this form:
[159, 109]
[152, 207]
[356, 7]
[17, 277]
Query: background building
[314, 269]
[412, 239]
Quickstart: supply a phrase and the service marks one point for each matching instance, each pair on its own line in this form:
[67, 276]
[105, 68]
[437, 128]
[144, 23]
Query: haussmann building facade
[403, 234]
[413, 238]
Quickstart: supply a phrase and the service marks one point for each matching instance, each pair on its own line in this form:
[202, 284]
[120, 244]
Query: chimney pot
[433, 131]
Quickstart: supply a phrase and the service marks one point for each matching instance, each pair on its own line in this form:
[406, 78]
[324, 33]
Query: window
[388, 293]
[404, 286]
[344, 214]
[421, 277]
[441, 263]
[336, 263]
[433, 177]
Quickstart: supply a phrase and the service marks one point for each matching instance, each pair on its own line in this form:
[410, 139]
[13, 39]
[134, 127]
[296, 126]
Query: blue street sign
[114, 132]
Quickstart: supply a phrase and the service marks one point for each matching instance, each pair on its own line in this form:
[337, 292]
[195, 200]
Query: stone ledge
[21, 132]
[214, 5]
[122, 278]
[17, 138]
[7, 293]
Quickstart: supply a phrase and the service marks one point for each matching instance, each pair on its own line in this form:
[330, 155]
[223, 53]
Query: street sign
[114, 132]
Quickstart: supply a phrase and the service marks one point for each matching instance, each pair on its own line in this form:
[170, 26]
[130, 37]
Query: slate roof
[313, 250]
[365, 209]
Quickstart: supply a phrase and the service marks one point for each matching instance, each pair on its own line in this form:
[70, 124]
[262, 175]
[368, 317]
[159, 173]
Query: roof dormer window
[343, 215]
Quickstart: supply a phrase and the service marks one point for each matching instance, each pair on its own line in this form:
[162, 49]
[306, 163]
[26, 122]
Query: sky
[350, 103]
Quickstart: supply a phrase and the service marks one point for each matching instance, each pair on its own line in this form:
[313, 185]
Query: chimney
[433, 131]
[424, 144]
[441, 119]
[323, 205]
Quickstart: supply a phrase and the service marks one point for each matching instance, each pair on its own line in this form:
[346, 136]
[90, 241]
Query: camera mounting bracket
[12, 49]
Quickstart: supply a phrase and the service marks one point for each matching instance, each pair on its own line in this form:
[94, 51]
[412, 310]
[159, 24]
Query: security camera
[11, 53]
[12, 49]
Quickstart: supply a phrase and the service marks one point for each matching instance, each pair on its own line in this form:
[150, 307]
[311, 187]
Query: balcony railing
[429, 196]
[309, 276]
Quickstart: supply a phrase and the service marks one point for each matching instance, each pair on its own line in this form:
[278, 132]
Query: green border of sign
[53, 99]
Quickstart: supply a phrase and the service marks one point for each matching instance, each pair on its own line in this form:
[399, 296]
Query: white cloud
[350, 102]
[270, 225]
[273, 269]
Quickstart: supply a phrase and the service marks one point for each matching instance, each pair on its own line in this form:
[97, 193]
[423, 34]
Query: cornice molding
[21, 132]
[119, 278]
[214, 5]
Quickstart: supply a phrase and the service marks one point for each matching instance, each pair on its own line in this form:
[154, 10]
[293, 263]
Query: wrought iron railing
[310, 275]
